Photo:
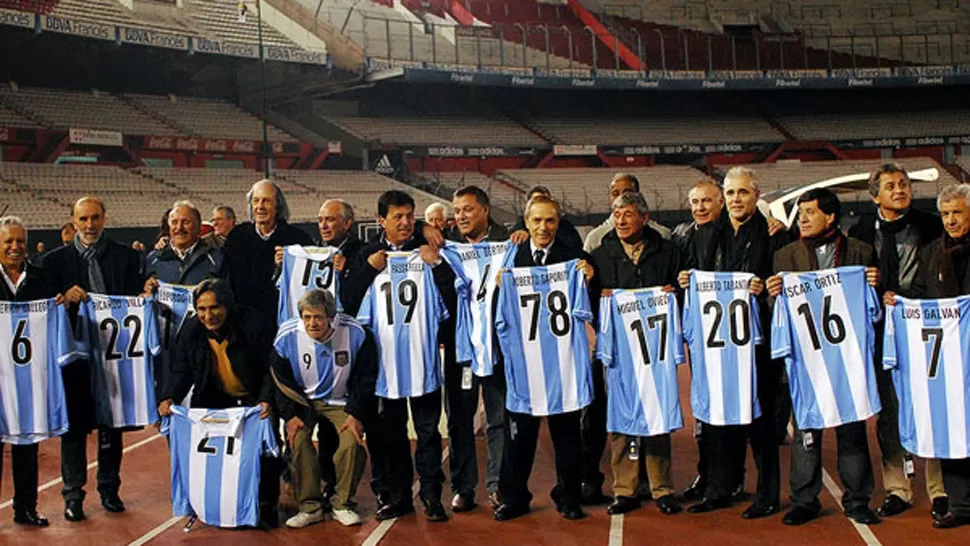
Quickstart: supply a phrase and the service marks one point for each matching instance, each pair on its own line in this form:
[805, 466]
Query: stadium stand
[502, 195]
[659, 130]
[853, 126]
[10, 118]
[208, 118]
[39, 6]
[433, 130]
[963, 162]
[220, 19]
[112, 12]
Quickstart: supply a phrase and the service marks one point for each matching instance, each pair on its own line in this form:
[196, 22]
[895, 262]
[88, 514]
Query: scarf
[953, 263]
[827, 238]
[888, 255]
[90, 256]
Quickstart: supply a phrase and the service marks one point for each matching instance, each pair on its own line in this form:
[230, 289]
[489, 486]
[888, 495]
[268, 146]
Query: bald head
[334, 221]
[88, 216]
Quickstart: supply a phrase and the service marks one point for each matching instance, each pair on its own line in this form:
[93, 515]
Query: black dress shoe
[941, 507]
[643, 490]
[950, 520]
[863, 515]
[393, 510]
[572, 512]
[739, 494]
[892, 506]
[113, 503]
[494, 500]
[434, 511]
[760, 510]
[31, 517]
[74, 510]
[269, 518]
[708, 505]
[669, 505]
[695, 491]
[463, 502]
[800, 515]
[507, 512]
[591, 496]
[622, 505]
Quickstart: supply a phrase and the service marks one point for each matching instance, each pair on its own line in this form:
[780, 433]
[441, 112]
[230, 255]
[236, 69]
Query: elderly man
[706, 200]
[249, 254]
[187, 259]
[67, 233]
[566, 234]
[898, 233]
[91, 263]
[634, 255]
[335, 223]
[740, 242]
[223, 220]
[22, 282]
[325, 367]
[436, 215]
[621, 183]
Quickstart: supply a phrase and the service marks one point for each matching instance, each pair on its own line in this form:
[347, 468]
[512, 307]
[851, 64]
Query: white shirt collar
[261, 236]
[182, 255]
[545, 256]
[14, 286]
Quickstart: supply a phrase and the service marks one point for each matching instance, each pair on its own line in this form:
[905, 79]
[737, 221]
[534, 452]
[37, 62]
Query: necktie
[539, 256]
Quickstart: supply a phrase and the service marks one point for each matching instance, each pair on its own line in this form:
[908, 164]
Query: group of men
[236, 351]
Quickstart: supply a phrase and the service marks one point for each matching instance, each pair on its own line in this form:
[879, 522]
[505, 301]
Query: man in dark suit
[92, 262]
[542, 220]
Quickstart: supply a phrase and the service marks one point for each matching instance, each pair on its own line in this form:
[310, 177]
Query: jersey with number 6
[476, 268]
[402, 308]
[305, 268]
[641, 343]
[722, 327]
[216, 463]
[928, 348]
[541, 324]
[36, 341]
[121, 336]
[823, 327]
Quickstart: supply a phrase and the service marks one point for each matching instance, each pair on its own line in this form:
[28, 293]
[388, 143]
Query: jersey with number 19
[641, 343]
[402, 308]
[216, 463]
[927, 345]
[305, 268]
[541, 325]
[722, 326]
[476, 268]
[122, 337]
[823, 328]
[36, 340]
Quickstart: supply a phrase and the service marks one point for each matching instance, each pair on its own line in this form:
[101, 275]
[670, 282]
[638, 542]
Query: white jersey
[305, 268]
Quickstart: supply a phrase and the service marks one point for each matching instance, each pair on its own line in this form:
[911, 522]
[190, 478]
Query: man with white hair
[250, 250]
[436, 215]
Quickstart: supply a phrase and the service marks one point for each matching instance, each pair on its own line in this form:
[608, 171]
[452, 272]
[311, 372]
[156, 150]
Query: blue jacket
[203, 261]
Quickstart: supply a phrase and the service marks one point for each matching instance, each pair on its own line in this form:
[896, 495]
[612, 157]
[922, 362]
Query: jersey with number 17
[305, 268]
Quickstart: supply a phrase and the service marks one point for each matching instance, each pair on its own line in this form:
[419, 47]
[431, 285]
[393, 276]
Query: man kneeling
[325, 368]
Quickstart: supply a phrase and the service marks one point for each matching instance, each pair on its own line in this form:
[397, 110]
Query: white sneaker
[302, 519]
[347, 517]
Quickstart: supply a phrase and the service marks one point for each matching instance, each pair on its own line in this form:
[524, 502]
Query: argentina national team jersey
[823, 327]
[641, 343]
[216, 463]
[927, 345]
[402, 308]
[722, 326]
[305, 268]
[37, 335]
[541, 325]
[121, 336]
[476, 267]
[321, 369]
[173, 305]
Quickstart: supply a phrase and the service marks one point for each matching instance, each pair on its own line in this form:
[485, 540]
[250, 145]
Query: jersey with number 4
[216, 463]
[305, 268]
[823, 327]
[476, 267]
[122, 337]
[722, 327]
[541, 324]
[641, 343]
[927, 345]
[402, 308]
[36, 341]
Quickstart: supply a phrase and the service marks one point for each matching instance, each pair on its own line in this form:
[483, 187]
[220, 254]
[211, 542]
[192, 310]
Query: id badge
[466, 378]
[633, 449]
[909, 466]
[697, 430]
[808, 440]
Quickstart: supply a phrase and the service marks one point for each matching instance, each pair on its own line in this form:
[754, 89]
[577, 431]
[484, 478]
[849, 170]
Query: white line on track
[864, 531]
[616, 530]
[155, 532]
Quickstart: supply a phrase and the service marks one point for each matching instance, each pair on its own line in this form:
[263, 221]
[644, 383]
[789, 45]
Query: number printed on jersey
[823, 327]
[722, 327]
[306, 268]
[121, 335]
[927, 345]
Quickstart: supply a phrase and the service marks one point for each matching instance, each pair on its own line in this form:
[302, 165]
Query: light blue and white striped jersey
[32, 405]
[722, 326]
[927, 345]
[321, 368]
[641, 343]
[541, 324]
[173, 305]
[476, 267]
[402, 308]
[305, 268]
[823, 327]
[121, 337]
[216, 463]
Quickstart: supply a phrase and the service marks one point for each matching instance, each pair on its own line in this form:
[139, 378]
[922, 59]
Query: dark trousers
[74, 463]
[725, 447]
[522, 434]
[461, 406]
[23, 459]
[956, 479]
[855, 467]
[762, 432]
[594, 434]
[393, 449]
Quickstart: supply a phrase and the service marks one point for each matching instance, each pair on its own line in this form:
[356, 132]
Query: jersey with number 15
[305, 268]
